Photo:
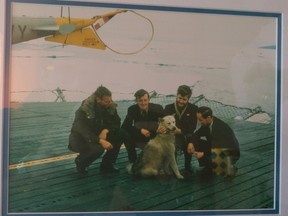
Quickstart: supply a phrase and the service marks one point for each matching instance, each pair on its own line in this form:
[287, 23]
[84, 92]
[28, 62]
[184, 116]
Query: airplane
[67, 31]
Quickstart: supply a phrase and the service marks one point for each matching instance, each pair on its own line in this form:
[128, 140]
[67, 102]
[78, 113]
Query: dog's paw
[180, 176]
[129, 168]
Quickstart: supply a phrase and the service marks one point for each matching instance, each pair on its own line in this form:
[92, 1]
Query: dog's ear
[160, 120]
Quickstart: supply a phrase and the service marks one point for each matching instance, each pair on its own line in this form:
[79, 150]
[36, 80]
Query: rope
[137, 51]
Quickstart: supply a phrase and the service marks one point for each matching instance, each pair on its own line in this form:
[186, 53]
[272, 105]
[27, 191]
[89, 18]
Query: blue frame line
[278, 111]
[6, 114]
[6, 84]
[148, 7]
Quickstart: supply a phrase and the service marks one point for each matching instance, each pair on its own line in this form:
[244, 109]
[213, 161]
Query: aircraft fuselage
[24, 28]
[28, 28]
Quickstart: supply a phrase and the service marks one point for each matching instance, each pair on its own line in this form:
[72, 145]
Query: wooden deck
[42, 175]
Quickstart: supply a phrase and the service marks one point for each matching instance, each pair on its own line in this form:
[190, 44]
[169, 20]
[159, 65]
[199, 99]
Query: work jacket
[91, 119]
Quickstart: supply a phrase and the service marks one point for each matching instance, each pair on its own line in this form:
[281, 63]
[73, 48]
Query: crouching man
[217, 147]
[140, 123]
[96, 128]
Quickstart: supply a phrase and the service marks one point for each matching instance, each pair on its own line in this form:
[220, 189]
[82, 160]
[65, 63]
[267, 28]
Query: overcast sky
[224, 52]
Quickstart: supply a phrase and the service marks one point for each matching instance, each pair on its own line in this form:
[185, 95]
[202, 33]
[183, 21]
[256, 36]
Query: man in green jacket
[96, 128]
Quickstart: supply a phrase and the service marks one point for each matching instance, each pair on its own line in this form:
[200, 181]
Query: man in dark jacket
[140, 123]
[214, 133]
[186, 121]
[96, 128]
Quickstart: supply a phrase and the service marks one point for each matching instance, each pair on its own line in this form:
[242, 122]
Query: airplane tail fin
[84, 37]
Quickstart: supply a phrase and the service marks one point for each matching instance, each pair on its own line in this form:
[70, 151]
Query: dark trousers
[90, 151]
[131, 143]
[204, 146]
[182, 144]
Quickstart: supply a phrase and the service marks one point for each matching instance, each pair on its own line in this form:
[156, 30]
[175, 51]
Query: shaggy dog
[159, 153]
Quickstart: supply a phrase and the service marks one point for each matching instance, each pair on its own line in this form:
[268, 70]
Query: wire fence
[221, 110]
[255, 114]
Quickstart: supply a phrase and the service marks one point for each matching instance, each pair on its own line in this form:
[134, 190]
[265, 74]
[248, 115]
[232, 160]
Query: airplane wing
[84, 37]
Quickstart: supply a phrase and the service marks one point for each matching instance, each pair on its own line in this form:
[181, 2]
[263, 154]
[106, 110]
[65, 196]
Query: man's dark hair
[205, 111]
[102, 91]
[184, 90]
[140, 93]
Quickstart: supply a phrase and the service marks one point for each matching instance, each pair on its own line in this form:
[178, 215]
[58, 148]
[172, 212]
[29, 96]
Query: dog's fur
[159, 153]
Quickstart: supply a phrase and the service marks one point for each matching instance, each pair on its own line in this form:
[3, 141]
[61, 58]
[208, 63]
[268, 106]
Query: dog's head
[168, 122]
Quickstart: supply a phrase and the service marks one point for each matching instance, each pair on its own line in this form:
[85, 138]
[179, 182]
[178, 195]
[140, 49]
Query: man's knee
[95, 149]
[117, 138]
[74, 143]
[73, 147]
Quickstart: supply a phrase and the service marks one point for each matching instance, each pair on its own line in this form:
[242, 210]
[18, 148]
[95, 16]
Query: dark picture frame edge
[6, 112]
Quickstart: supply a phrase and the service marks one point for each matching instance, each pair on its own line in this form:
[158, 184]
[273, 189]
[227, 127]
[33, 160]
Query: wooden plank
[39, 132]
[137, 183]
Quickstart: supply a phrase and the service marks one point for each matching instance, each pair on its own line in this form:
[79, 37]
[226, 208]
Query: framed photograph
[57, 53]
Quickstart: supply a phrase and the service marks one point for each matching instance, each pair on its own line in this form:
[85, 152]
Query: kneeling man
[214, 134]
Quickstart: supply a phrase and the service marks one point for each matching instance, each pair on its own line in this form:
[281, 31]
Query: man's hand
[105, 144]
[199, 155]
[145, 132]
[177, 131]
[103, 134]
[161, 130]
[190, 148]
